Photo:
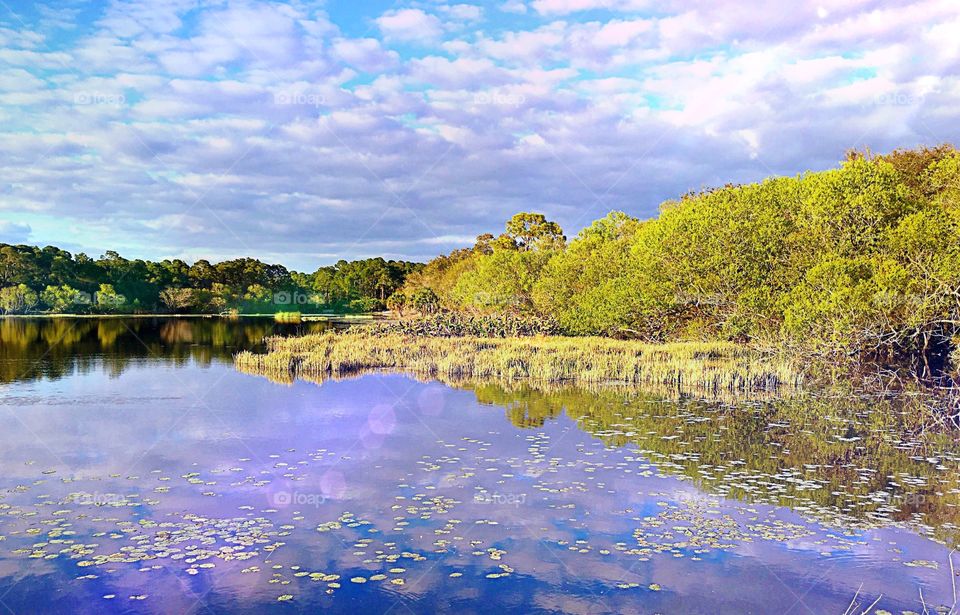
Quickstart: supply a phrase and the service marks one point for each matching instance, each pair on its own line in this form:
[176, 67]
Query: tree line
[860, 258]
[49, 279]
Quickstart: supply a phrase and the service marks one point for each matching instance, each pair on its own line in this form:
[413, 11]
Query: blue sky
[304, 132]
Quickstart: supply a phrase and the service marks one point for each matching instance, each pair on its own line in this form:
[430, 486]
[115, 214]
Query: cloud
[14, 232]
[410, 25]
[563, 7]
[266, 129]
[366, 54]
[514, 6]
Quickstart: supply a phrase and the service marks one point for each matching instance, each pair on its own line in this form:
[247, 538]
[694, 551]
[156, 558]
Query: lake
[142, 473]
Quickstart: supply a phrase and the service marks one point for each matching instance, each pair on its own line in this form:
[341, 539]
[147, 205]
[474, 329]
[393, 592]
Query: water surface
[140, 472]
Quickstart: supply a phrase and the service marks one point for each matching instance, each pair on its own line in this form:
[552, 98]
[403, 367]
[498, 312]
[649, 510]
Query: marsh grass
[708, 367]
[291, 317]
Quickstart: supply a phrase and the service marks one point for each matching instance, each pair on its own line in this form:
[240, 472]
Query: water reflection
[53, 347]
[851, 460]
[181, 486]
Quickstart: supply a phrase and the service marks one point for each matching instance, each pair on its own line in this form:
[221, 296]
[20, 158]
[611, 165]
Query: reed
[710, 367]
[293, 317]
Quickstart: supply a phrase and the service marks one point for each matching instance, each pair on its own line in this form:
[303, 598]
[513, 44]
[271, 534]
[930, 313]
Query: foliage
[586, 287]
[425, 301]
[452, 324]
[532, 231]
[861, 258]
[17, 299]
[109, 300]
[500, 281]
[396, 302]
[180, 299]
[60, 279]
[365, 304]
[64, 299]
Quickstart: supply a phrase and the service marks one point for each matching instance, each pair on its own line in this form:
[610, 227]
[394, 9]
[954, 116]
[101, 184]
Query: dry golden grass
[709, 367]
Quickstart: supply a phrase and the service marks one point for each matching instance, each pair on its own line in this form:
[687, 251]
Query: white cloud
[563, 7]
[170, 141]
[410, 25]
[367, 54]
[514, 6]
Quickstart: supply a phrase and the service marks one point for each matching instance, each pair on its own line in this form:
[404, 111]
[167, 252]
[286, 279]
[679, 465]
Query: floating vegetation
[707, 367]
[291, 317]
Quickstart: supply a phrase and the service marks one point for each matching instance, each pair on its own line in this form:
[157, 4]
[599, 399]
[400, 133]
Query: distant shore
[306, 317]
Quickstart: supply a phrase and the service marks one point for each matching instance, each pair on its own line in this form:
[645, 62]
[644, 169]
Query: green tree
[17, 299]
[17, 267]
[64, 299]
[397, 302]
[532, 231]
[586, 288]
[109, 300]
[425, 301]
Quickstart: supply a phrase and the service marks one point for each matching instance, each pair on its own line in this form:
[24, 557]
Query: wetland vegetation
[706, 367]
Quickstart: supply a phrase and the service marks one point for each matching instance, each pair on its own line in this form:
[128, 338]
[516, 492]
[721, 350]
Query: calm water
[140, 472]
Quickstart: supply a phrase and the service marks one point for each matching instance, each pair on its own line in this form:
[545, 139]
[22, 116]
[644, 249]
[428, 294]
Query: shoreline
[305, 317]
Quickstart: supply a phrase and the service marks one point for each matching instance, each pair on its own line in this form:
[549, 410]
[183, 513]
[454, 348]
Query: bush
[453, 324]
[361, 306]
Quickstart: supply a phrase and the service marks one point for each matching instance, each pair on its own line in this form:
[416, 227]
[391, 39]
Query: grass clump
[694, 366]
[293, 317]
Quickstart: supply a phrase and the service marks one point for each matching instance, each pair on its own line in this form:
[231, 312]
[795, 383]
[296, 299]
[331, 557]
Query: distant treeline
[52, 280]
[863, 258]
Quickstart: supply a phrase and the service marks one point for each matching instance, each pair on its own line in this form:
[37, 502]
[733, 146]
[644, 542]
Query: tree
[17, 267]
[425, 301]
[64, 299]
[586, 288]
[180, 299]
[533, 231]
[396, 302]
[221, 297]
[17, 299]
[501, 281]
[257, 293]
[108, 299]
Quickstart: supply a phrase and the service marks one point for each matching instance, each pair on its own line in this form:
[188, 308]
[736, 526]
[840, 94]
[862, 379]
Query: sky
[304, 132]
